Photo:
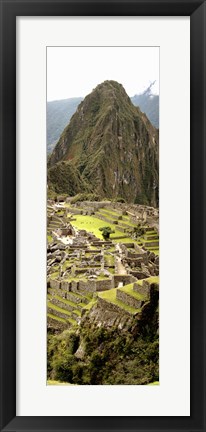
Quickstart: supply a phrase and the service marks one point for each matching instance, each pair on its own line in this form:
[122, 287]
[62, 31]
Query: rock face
[113, 146]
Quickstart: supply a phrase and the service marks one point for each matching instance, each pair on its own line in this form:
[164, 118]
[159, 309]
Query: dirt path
[120, 268]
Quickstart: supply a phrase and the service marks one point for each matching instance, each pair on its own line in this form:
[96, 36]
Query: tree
[138, 231]
[106, 231]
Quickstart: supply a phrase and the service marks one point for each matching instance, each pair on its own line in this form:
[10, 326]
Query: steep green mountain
[113, 146]
[59, 113]
[64, 177]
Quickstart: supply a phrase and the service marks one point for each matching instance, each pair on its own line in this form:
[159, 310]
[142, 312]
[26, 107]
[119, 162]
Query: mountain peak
[113, 145]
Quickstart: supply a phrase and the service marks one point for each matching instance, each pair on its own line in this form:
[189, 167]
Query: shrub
[106, 231]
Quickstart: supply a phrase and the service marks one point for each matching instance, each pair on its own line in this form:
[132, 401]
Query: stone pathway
[120, 268]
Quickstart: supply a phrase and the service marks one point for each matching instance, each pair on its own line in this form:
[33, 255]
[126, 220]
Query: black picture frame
[196, 9]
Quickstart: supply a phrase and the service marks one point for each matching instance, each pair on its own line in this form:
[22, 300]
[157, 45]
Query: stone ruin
[78, 265]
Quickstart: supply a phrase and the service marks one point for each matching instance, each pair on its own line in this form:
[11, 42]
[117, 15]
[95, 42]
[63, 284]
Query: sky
[76, 71]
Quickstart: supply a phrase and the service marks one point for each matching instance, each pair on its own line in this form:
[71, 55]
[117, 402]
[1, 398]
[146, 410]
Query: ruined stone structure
[82, 269]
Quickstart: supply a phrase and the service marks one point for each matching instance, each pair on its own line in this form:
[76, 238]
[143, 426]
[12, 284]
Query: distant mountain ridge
[109, 147]
[58, 116]
[60, 112]
[149, 104]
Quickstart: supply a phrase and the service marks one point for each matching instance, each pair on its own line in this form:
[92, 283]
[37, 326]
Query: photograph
[103, 215]
[103, 202]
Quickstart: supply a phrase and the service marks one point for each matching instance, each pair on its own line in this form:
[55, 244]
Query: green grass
[154, 383]
[110, 296]
[151, 279]
[109, 260]
[72, 321]
[128, 289]
[49, 238]
[155, 251]
[112, 212]
[54, 275]
[53, 382]
[70, 303]
[111, 249]
[56, 318]
[90, 304]
[77, 312]
[66, 302]
[58, 309]
[107, 215]
[150, 241]
[92, 224]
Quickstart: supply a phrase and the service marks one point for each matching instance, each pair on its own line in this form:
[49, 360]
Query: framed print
[103, 134]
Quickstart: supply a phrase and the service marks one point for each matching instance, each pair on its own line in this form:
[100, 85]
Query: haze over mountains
[109, 147]
[60, 112]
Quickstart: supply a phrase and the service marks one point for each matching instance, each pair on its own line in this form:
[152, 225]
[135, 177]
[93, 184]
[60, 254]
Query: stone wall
[103, 285]
[75, 210]
[73, 298]
[101, 243]
[138, 274]
[58, 313]
[125, 279]
[106, 219]
[65, 285]
[128, 300]
[58, 326]
[89, 286]
[151, 244]
[112, 307]
[95, 285]
[127, 245]
[63, 305]
[94, 204]
[55, 284]
[142, 289]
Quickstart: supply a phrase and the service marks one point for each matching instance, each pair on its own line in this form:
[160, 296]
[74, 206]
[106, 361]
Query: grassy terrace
[110, 296]
[70, 303]
[108, 215]
[110, 212]
[62, 320]
[58, 309]
[90, 304]
[151, 279]
[124, 222]
[55, 317]
[92, 224]
[77, 307]
[128, 289]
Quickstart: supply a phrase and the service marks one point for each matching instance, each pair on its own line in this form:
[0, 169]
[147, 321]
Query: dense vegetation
[64, 177]
[97, 356]
[107, 124]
